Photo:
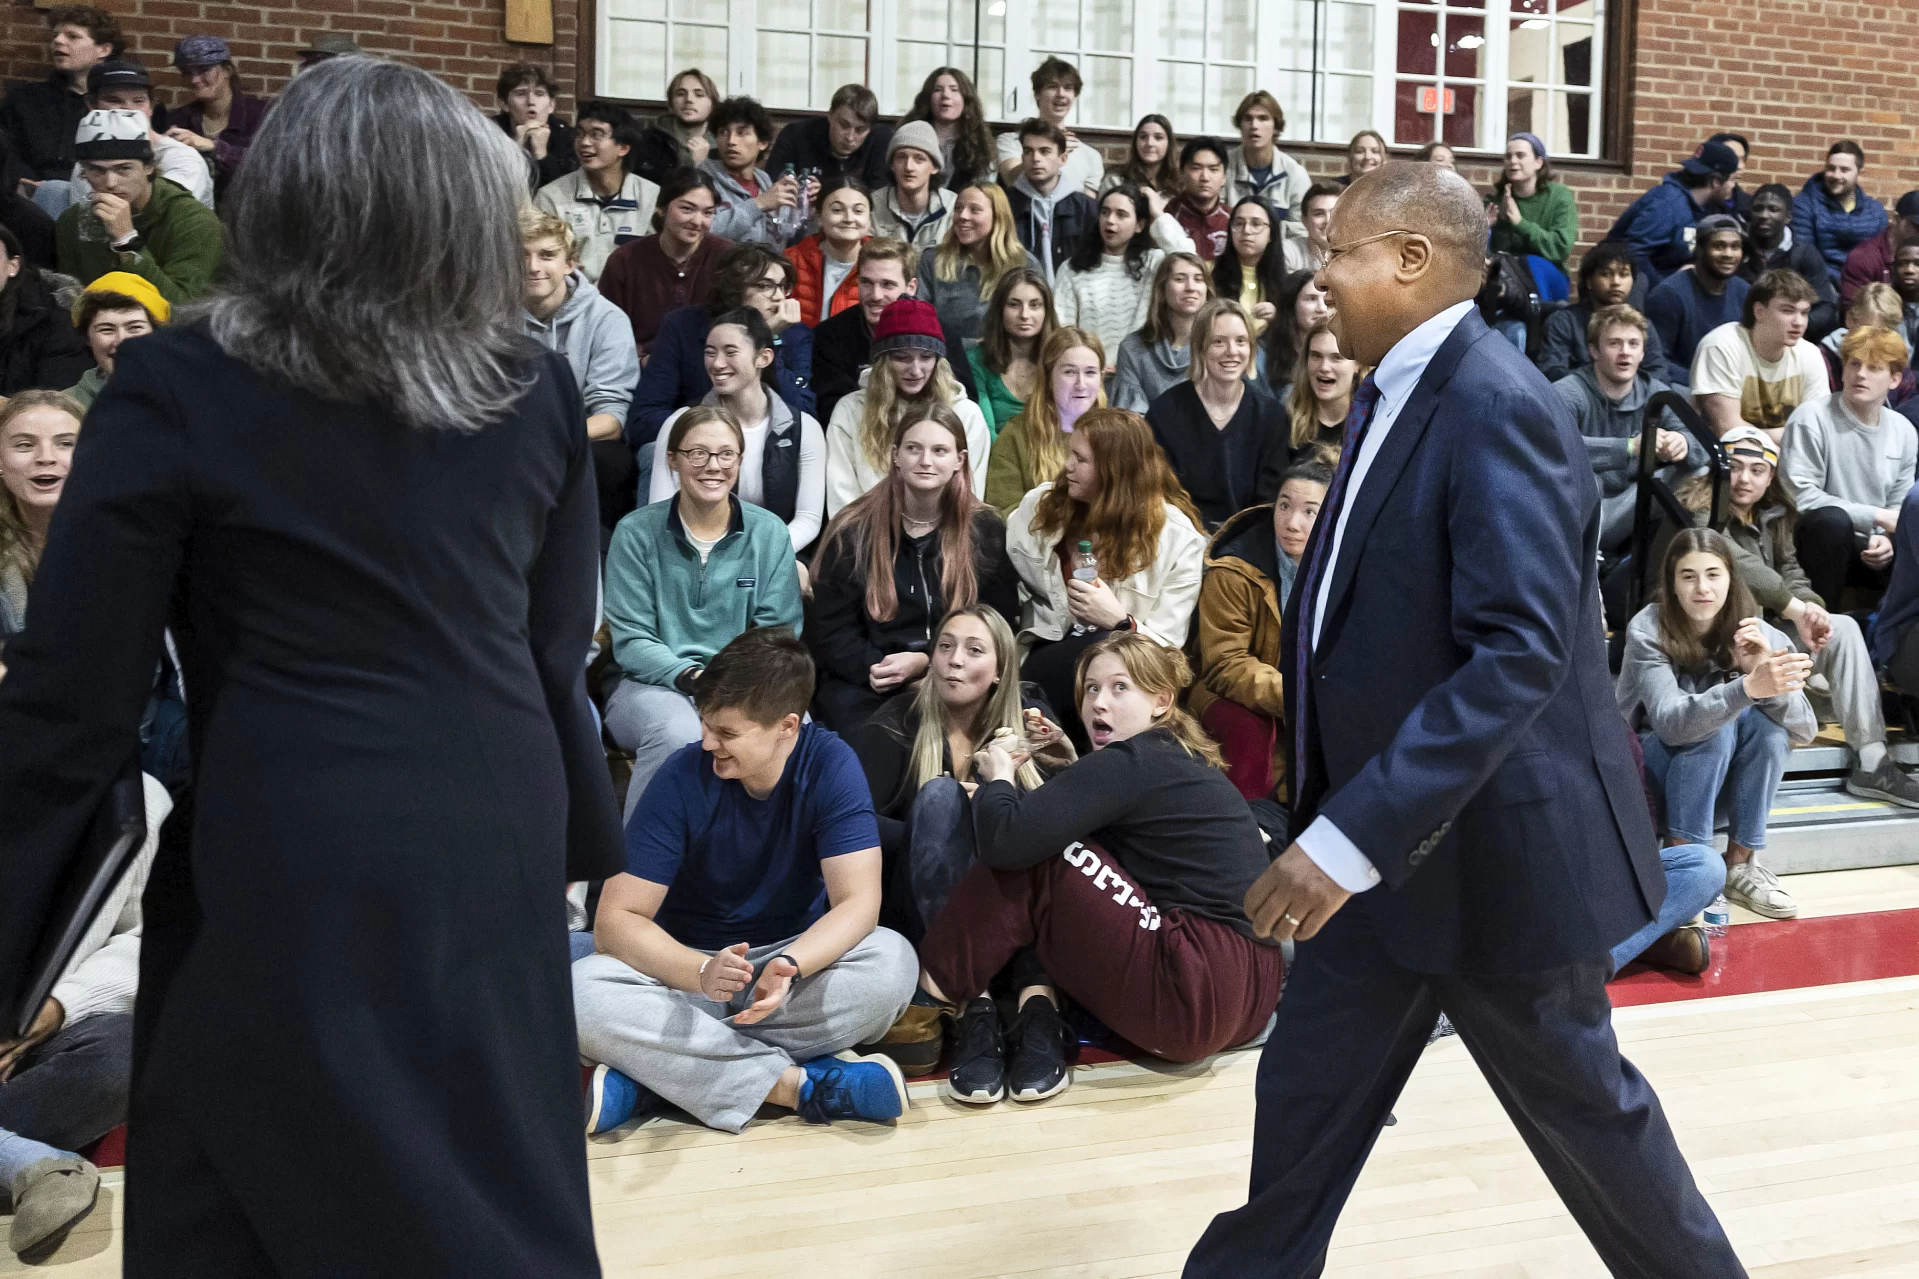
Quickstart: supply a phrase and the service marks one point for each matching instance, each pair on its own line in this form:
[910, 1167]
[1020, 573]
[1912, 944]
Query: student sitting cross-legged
[1715, 695]
[740, 950]
[1126, 874]
[684, 577]
[898, 557]
[1251, 566]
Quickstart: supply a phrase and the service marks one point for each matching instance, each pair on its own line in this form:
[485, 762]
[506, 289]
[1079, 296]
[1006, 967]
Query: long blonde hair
[1037, 425]
[926, 756]
[1302, 407]
[18, 546]
[1155, 669]
[884, 406]
[1003, 251]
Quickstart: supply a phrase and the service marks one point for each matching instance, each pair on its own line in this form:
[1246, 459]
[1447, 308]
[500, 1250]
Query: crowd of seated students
[976, 690]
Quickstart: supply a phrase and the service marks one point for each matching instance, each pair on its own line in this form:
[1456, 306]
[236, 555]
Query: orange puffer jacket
[809, 262]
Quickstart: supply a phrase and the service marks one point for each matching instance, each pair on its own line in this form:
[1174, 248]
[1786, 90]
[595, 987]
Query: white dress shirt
[1395, 377]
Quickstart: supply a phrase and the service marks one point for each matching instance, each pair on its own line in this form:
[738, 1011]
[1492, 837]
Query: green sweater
[180, 251]
[997, 403]
[666, 610]
[1548, 225]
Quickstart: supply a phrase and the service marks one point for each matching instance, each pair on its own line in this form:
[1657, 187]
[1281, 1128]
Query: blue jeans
[1694, 875]
[1513, 331]
[1742, 764]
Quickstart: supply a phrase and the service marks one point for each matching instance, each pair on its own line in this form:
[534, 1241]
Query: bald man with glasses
[1471, 833]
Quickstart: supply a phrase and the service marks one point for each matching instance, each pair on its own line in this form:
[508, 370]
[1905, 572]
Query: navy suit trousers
[1351, 1028]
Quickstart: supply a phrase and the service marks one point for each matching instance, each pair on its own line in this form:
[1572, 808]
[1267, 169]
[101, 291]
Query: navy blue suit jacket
[1462, 731]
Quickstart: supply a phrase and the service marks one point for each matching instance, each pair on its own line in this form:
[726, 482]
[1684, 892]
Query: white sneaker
[1757, 889]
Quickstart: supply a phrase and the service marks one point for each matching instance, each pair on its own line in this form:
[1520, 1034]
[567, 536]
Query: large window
[1465, 72]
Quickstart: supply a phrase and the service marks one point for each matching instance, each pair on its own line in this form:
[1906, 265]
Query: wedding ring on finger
[1289, 919]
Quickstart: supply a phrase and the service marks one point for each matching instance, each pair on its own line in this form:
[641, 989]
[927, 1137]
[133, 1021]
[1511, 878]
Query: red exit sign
[1430, 100]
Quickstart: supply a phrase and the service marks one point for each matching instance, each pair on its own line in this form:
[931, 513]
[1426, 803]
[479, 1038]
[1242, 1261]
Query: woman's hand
[1094, 604]
[1778, 674]
[786, 317]
[1814, 623]
[1510, 211]
[1155, 202]
[994, 763]
[1749, 645]
[1264, 312]
[1048, 739]
[895, 669]
[725, 973]
[191, 138]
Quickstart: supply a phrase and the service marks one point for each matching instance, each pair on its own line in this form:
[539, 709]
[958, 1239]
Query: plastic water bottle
[1085, 569]
[1717, 916]
[790, 219]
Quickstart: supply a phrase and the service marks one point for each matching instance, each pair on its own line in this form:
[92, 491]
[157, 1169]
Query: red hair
[1126, 516]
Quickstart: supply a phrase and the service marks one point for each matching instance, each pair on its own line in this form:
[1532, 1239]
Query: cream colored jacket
[1160, 597]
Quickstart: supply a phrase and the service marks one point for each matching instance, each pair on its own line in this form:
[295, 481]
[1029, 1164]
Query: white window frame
[1020, 57]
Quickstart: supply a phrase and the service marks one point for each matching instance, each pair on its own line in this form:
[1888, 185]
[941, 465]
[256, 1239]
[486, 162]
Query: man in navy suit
[1472, 835]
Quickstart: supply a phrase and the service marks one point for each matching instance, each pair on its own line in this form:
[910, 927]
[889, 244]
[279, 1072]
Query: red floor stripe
[1786, 955]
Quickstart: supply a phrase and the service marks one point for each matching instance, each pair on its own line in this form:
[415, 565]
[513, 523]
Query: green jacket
[1548, 225]
[996, 403]
[180, 251]
[667, 611]
[88, 388]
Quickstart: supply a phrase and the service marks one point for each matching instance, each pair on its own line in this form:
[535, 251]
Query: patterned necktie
[1306, 589]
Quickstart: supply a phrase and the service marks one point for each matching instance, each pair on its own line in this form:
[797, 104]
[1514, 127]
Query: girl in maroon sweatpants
[1126, 873]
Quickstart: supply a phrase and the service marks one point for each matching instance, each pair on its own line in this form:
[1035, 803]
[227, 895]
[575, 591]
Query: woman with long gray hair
[361, 501]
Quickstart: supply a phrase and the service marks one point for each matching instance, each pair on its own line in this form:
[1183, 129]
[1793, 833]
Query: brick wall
[1792, 75]
[459, 40]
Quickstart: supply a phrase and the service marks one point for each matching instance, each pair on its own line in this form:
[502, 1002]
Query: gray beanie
[919, 135]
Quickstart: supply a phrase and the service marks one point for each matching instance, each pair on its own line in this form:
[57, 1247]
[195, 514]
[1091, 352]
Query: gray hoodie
[596, 338]
[1141, 373]
[961, 308]
[1682, 708]
[739, 219]
[1042, 213]
[1610, 426]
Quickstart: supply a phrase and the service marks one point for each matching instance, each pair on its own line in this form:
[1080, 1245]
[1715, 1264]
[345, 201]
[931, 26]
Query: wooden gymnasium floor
[1812, 1025]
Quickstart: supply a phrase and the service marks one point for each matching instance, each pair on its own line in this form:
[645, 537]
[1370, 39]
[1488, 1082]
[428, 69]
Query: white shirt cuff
[1333, 853]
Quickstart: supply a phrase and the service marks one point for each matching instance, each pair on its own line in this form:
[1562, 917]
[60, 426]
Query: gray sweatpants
[1846, 663]
[687, 1049]
[652, 722]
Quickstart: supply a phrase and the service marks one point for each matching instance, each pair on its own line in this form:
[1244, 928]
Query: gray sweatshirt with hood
[597, 340]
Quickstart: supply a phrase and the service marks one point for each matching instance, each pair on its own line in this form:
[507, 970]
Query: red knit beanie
[908, 324]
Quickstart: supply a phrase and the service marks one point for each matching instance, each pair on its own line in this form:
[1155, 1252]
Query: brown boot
[915, 1040]
[1686, 949]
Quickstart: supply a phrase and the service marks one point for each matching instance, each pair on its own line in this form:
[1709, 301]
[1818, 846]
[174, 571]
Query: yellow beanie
[129, 285]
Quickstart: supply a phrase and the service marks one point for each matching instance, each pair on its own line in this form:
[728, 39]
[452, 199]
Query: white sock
[1872, 755]
[18, 1153]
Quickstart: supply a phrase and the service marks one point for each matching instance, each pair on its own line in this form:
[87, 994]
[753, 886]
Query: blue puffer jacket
[1655, 225]
[675, 374]
[1818, 220]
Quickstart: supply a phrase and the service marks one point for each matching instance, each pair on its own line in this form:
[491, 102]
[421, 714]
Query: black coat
[560, 158]
[847, 640]
[842, 346]
[807, 144]
[1074, 218]
[40, 349]
[395, 773]
[40, 119]
[1805, 258]
[1225, 471]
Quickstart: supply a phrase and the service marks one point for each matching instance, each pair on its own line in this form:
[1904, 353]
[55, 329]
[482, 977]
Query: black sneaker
[978, 1075]
[1043, 1047]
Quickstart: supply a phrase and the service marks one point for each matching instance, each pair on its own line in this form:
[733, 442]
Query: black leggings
[1829, 552]
[1053, 665]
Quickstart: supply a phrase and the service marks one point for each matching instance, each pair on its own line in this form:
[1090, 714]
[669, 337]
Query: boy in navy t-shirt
[753, 869]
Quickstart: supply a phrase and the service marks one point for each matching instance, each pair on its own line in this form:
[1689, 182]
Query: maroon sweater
[643, 282]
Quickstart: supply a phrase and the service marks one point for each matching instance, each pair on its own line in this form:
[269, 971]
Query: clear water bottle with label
[91, 229]
[1085, 569]
[1717, 916]
[788, 219]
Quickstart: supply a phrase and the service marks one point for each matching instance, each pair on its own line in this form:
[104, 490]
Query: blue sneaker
[850, 1086]
[613, 1099]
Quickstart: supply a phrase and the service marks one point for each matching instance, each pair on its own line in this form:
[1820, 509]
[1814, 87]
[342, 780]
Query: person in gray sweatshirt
[751, 203]
[1848, 463]
[1717, 699]
[1158, 355]
[1608, 398]
[565, 313]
